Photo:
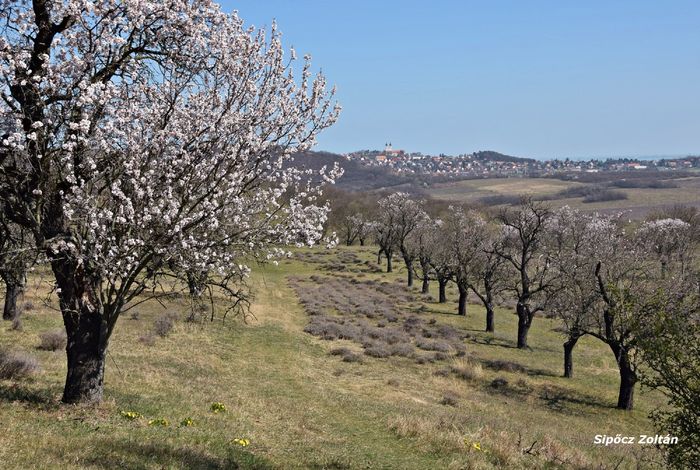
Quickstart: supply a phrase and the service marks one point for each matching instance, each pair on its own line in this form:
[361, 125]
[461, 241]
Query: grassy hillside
[638, 201]
[301, 407]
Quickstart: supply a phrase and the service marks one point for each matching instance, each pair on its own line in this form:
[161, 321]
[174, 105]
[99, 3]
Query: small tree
[523, 248]
[440, 260]
[150, 140]
[364, 228]
[670, 241]
[670, 348]
[574, 251]
[422, 242]
[464, 237]
[399, 216]
[488, 277]
[17, 254]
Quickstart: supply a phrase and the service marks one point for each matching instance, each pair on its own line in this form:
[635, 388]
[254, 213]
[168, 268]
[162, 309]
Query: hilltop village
[494, 164]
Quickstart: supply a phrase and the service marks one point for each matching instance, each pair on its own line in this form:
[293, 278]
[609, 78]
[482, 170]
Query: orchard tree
[487, 276]
[149, 140]
[385, 238]
[524, 232]
[626, 286]
[365, 228]
[17, 254]
[349, 227]
[670, 348]
[577, 240]
[465, 234]
[441, 260]
[671, 241]
[356, 227]
[400, 215]
[423, 242]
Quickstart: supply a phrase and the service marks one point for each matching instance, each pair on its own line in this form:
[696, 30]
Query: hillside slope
[301, 407]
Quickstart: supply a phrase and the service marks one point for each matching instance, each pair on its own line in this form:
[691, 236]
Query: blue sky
[542, 79]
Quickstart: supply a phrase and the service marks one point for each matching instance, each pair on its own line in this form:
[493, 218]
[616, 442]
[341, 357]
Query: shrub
[506, 366]
[17, 324]
[148, 339]
[652, 183]
[604, 195]
[432, 345]
[28, 305]
[440, 356]
[17, 365]
[377, 350]
[444, 372]
[499, 382]
[402, 349]
[164, 324]
[53, 340]
[352, 357]
[449, 399]
[346, 354]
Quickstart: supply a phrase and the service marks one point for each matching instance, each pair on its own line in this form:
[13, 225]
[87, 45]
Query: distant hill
[356, 176]
[490, 155]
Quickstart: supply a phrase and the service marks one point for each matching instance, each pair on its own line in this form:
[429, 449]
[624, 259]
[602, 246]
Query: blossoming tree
[149, 140]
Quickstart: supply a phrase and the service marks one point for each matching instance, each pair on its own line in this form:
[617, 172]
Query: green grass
[303, 408]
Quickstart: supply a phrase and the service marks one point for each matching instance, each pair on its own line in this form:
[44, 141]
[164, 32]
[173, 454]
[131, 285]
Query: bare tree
[356, 227]
[399, 215]
[422, 242]
[574, 251]
[464, 236]
[487, 277]
[523, 248]
[149, 140]
[440, 260]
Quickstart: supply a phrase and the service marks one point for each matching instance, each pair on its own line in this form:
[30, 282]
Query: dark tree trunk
[490, 322]
[442, 284]
[569, 356]
[462, 302]
[409, 268]
[362, 242]
[389, 268]
[87, 329]
[86, 351]
[426, 283]
[379, 256]
[13, 293]
[628, 379]
[523, 325]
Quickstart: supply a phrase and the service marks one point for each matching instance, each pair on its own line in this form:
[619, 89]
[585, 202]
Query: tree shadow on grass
[492, 340]
[133, 454]
[42, 398]
[559, 399]
[511, 366]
